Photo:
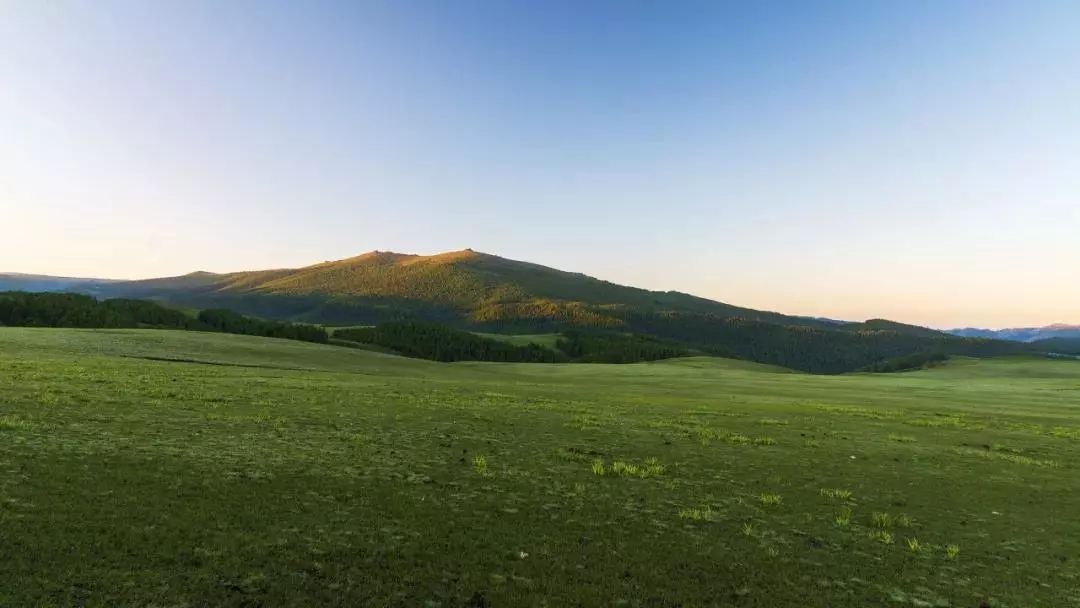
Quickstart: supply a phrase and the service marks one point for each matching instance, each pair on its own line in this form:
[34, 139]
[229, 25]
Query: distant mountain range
[15, 281]
[479, 291]
[1021, 334]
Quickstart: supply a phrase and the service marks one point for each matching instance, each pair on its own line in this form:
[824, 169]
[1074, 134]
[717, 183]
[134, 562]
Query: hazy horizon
[916, 162]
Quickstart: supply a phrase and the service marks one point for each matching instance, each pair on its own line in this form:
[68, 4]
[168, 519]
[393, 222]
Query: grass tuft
[768, 499]
[696, 514]
[12, 423]
[843, 518]
[836, 493]
[882, 536]
[584, 422]
[650, 467]
[881, 520]
[480, 465]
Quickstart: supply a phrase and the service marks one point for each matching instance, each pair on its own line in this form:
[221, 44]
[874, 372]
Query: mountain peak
[461, 254]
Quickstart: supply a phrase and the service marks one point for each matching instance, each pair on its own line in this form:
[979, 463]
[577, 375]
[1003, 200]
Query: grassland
[545, 340]
[170, 468]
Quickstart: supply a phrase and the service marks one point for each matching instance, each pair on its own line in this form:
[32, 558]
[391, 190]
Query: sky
[918, 161]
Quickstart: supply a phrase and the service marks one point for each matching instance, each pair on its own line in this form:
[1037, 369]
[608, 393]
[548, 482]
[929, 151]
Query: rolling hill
[464, 286]
[482, 292]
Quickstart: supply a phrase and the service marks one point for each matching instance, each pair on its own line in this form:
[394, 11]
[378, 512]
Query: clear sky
[912, 160]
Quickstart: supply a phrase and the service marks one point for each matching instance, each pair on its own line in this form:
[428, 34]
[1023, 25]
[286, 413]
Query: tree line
[640, 336]
[437, 342]
[426, 340]
[907, 363]
[25, 309]
[610, 347]
[227, 321]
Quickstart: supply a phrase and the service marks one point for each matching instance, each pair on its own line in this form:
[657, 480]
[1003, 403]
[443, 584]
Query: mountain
[14, 281]
[478, 291]
[1021, 334]
[464, 286]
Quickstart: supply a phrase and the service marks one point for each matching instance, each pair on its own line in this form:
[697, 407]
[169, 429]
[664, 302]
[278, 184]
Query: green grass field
[545, 340]
[168, 468]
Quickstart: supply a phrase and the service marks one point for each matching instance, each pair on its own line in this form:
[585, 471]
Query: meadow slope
[170, 468]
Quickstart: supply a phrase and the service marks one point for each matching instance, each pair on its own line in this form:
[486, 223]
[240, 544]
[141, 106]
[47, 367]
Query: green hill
[478, 287]
[482, 292]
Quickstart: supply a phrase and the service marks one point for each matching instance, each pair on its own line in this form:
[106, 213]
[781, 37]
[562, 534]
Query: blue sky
[913, 160]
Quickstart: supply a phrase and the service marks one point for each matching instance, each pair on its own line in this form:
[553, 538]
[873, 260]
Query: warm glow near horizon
[913, 162]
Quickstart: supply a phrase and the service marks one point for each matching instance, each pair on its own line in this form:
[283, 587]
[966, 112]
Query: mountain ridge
[466, 278]
[477, 291]
[486, 285]
[1021, 334]
[19, 281]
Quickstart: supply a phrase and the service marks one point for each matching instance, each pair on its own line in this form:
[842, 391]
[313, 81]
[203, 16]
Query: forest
[24, 309]
[426, 340]
[585, 336]
[437, 342]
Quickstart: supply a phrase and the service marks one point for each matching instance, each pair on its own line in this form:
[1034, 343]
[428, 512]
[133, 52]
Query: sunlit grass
[480, 464]
[770, 500]
[650, 467]
[881, 520]
[882, 536]
[836, 493]
[843, 518]
[12, 422]
[696, 513]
